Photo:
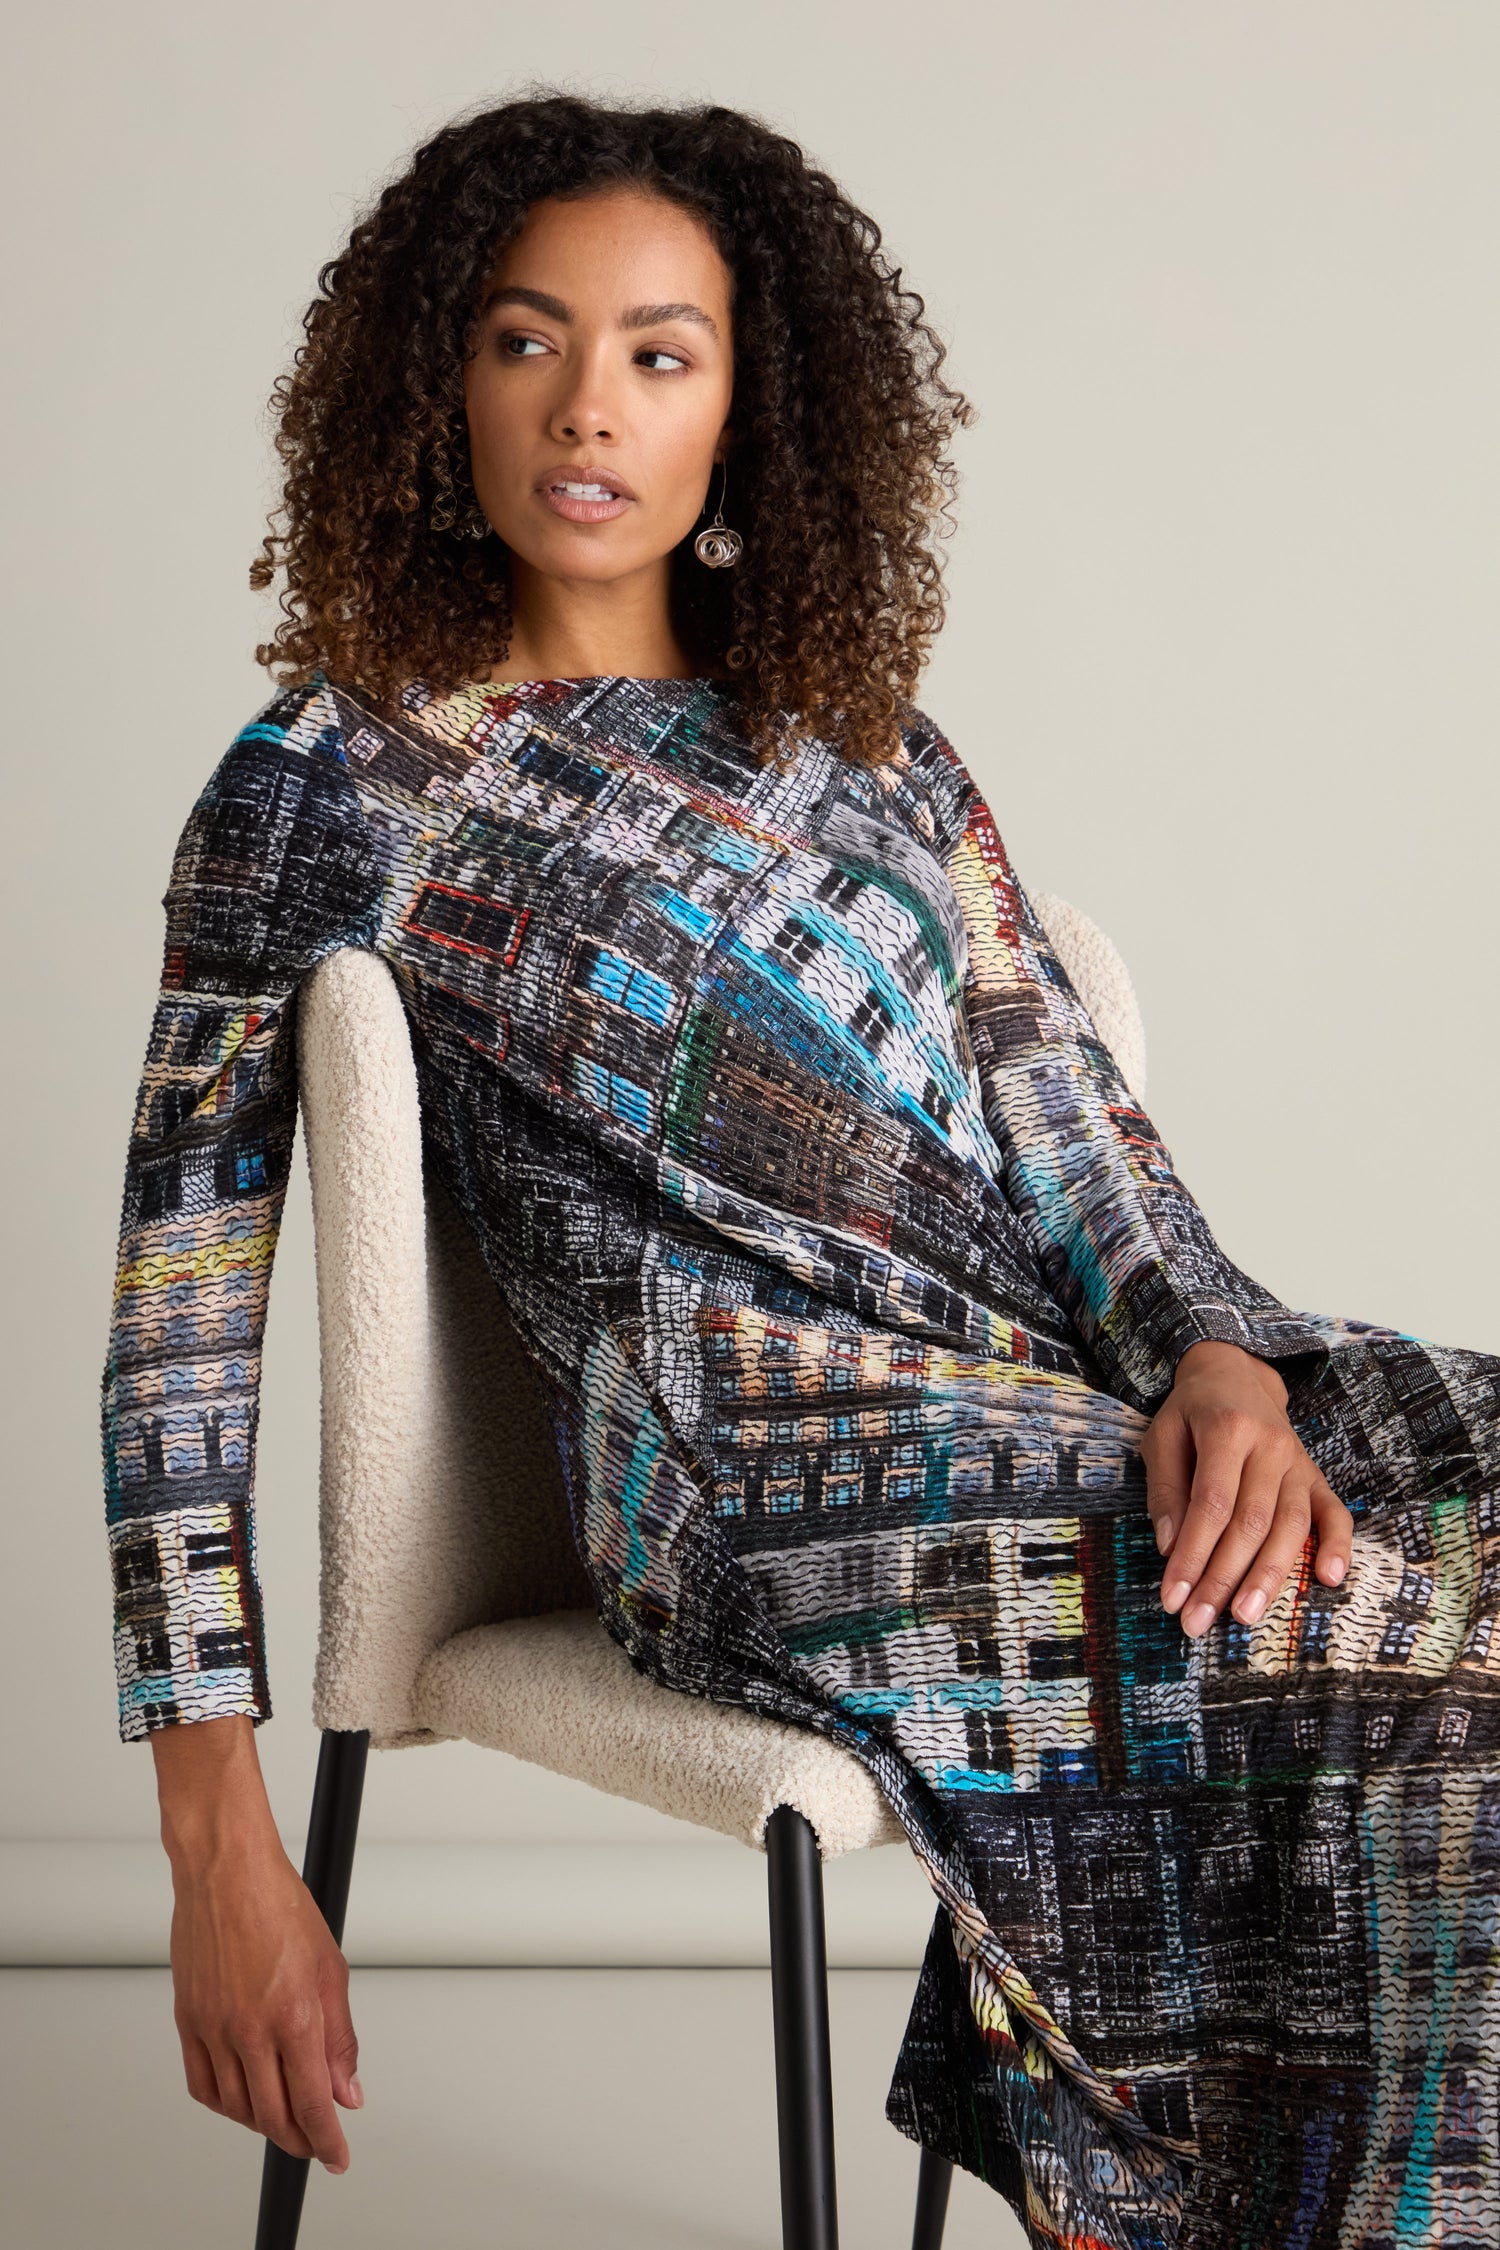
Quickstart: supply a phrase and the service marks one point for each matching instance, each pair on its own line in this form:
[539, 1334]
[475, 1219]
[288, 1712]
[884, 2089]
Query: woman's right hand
[261, 1988]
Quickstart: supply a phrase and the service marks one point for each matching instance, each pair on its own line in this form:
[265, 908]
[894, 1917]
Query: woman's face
[605, 360]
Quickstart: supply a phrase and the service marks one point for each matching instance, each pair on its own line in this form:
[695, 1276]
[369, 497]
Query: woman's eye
[508, 344]
[657, 351]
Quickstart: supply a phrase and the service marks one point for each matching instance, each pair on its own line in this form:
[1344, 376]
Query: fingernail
[1163, 1534]
[1198, 1618]
[1174, 1597]
[358, 2092]
[1250, 1608]
[1335, 1568]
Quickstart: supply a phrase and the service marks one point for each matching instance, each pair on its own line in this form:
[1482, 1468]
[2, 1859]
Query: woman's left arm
[1177, 1329]
[1232, 1491]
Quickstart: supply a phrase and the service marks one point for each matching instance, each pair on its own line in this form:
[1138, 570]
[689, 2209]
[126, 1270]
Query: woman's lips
[577, 508]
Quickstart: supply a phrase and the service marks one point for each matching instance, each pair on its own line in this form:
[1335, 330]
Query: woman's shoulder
[294, 733]
[934, 774]
[278, 807]
[300, 716]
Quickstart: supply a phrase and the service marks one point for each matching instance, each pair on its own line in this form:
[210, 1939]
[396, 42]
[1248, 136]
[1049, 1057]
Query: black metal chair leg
[329, 1862]
[934, 2178]
[799, 2009]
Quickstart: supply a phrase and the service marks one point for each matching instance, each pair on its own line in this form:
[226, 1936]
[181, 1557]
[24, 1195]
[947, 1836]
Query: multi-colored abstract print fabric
[854, 1275]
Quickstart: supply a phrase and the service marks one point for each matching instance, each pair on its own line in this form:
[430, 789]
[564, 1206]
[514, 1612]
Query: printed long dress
[855, 1275]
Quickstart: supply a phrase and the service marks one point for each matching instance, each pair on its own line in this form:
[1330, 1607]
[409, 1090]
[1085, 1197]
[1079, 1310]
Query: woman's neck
[572, 631]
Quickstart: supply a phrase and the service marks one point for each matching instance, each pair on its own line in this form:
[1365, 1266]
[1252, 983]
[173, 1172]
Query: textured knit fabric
[854, 1273]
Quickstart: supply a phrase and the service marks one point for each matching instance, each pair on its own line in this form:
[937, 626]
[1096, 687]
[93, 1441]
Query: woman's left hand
[1233, 1492]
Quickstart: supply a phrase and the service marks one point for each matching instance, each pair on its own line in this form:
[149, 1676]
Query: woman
[899, 1385]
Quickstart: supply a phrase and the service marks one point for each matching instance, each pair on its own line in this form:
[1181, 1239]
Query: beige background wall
[1222, 283]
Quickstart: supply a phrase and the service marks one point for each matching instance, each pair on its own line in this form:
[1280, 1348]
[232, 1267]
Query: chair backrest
[441, 1501]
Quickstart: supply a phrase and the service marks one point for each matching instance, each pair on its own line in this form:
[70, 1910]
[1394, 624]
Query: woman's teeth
[587, 491]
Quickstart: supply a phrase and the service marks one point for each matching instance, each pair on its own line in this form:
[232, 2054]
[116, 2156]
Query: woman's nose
[574, 428]
[585, 409]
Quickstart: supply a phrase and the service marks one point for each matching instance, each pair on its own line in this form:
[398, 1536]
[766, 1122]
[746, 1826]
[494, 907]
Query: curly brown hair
[841, 481]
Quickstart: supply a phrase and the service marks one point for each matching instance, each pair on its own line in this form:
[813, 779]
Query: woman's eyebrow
[536, 299]
[650, 316]
[639, 316]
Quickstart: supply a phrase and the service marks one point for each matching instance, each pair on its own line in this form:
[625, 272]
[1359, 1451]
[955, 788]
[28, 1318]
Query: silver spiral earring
[717, 545]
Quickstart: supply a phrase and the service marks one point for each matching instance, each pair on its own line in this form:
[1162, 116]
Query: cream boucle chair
[453, 1603]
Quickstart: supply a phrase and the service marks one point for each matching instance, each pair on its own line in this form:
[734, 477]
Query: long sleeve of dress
[275, 868]
[1124, 1247]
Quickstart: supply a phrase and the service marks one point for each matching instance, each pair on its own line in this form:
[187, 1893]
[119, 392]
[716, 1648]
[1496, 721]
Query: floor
[513, 2109]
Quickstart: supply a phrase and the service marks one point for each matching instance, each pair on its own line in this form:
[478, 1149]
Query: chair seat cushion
[557, 1690]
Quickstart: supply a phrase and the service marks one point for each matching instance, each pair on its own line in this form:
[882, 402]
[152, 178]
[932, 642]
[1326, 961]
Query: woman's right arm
[261, 1988]
[275, 868]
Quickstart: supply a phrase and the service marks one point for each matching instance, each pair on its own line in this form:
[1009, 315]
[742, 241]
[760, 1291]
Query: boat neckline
[595, 679]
